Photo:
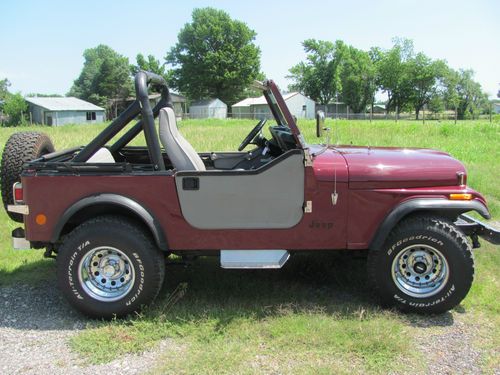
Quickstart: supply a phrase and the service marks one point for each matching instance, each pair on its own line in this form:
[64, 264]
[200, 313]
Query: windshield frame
[280, 111]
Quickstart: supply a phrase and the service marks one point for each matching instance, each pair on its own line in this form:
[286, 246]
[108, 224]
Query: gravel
[448, 343]
[36, 324]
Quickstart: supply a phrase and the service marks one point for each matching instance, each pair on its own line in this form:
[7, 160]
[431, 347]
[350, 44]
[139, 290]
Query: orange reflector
[41, 219]
[461, 197]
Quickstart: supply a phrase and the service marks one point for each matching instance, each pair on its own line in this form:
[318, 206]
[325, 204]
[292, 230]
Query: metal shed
[209, 108]
[299, 105]
[58, 111]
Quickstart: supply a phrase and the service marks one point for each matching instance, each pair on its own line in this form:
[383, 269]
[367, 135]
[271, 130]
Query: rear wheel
[425, 266]
[109, 267]
[19, 149]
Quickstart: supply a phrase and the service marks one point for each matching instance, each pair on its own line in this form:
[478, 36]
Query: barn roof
[63, 104]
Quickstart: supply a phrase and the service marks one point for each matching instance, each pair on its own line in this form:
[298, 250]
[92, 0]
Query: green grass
[317, 315]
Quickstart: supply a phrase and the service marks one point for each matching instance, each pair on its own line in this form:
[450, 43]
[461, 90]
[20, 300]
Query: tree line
[216, 57]
[411, 80]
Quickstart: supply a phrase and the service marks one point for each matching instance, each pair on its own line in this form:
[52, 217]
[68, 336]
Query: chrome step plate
[258, 259]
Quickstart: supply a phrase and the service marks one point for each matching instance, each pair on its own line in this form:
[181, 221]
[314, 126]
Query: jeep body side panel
[324, 228]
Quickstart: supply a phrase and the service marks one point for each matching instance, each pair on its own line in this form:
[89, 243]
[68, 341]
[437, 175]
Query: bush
[15, 108]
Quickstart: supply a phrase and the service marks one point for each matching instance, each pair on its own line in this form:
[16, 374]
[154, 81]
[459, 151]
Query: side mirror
[320, 123]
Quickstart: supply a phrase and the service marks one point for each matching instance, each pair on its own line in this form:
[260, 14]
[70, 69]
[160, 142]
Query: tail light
[17, 191]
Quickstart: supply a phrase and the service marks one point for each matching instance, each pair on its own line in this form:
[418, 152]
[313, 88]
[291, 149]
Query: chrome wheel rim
[420, 271]
[106, 274]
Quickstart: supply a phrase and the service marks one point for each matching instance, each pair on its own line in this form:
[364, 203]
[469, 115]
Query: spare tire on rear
[20, 148]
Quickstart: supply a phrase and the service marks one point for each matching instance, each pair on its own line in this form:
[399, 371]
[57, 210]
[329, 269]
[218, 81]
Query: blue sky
[41, 42]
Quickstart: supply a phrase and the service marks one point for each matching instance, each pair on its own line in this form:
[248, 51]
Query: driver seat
[180, 152]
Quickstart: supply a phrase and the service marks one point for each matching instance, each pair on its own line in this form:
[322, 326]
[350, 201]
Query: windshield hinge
[307, 158]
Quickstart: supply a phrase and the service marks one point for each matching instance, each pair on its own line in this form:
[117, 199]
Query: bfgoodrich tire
[19, 149]
[109, 267]
[425, 266]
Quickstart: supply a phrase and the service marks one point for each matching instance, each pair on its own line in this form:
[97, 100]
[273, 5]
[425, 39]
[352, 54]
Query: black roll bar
[140, 105]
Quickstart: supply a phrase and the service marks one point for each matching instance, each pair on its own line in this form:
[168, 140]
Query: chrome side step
[259, 259]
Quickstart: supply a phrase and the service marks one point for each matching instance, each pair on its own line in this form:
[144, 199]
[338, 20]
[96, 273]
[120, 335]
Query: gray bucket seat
[180, 152]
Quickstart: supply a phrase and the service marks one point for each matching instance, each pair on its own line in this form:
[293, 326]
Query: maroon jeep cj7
[120, 210]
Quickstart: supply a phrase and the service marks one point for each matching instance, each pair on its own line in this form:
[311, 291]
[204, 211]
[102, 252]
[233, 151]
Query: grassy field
[317, 315]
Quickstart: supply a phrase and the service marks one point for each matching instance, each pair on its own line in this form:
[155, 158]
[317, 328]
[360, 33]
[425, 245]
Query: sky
[42, 42]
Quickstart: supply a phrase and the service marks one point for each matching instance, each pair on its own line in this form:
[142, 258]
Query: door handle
[190, 183]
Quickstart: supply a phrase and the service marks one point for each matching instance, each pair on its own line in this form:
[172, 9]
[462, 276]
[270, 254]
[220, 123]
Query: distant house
[56, 111]
[496, 107]
[299, 105]
[209, 108]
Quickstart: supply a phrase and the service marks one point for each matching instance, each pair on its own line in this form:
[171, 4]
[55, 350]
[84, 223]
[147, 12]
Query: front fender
[437, 206]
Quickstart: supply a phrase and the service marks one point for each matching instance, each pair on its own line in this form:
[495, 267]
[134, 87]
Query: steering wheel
[253, 133]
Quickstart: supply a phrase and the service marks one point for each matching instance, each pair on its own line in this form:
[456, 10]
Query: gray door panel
[269, 197]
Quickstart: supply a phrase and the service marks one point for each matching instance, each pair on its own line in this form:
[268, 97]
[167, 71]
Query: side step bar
[253, 259]
[474, 228]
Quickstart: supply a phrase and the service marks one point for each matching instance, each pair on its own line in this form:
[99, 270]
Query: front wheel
[425, 266]
[108, 267]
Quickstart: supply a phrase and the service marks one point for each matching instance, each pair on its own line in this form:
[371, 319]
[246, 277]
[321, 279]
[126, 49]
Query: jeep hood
[389, 167]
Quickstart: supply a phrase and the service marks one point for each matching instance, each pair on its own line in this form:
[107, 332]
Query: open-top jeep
[111, 213]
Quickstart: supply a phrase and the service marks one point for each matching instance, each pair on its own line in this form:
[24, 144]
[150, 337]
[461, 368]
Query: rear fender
[441, 207]
[125, 204]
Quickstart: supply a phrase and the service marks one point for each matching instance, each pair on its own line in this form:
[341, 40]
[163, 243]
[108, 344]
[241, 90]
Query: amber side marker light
[41, 219]
[461, 197]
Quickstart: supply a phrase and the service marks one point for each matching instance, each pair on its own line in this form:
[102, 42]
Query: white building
[299, 105]
[209, 108]
[56, 111]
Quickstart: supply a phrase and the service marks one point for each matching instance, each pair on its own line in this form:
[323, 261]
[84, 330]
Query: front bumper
[475, 228]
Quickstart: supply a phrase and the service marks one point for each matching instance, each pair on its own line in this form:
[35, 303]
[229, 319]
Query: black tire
[19, 149]
[424, 241]
[144, 264]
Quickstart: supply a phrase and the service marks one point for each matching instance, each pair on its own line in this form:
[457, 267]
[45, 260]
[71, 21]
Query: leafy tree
[4, 88]
[105, 77]
[15, 107]
[436, 103]
[320, 76]
[394, 73]
[464, 94]
[424, 74]
[215, 56]
[150, 64]
[358, 79]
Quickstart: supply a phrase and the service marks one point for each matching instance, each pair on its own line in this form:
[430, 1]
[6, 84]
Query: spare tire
[20, 148]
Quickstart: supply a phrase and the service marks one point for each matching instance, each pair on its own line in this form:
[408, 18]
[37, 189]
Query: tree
[150, 64]
[4, 88]
[357, 79]
[423, 74]
[394, 73]
[105, 78]
[215, 57]
[15, 108]
[320, 76]
[464, 94]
